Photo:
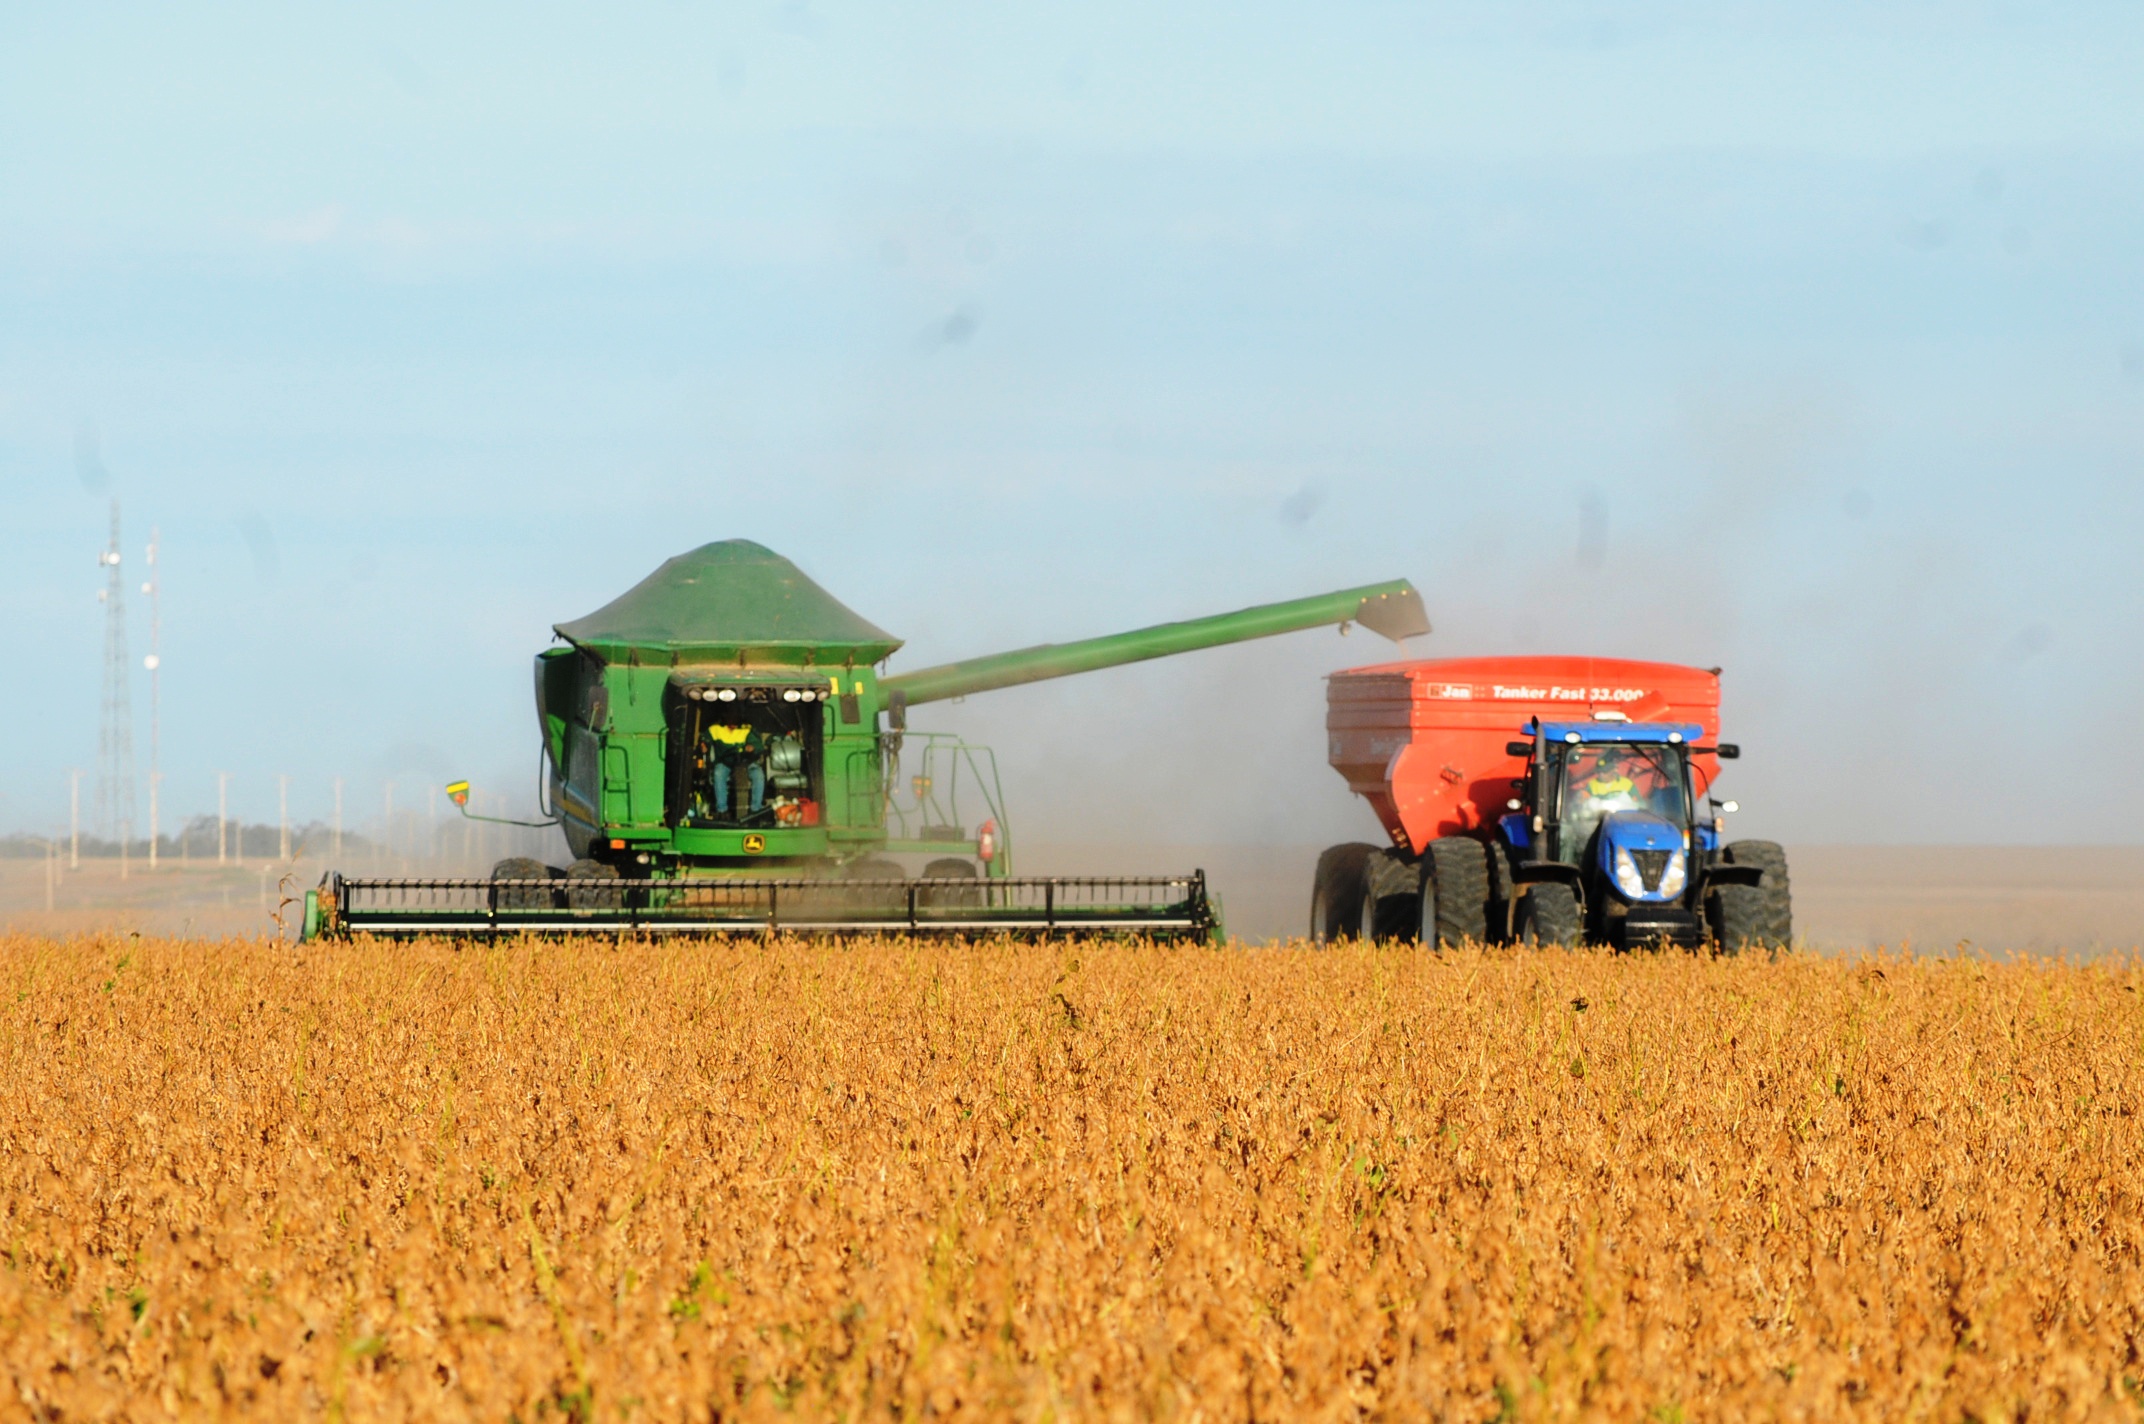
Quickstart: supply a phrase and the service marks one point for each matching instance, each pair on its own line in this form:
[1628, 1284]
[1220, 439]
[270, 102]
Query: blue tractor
[1604, 842]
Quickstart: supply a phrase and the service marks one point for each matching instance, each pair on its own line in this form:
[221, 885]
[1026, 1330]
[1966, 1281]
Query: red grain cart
[1541, 799]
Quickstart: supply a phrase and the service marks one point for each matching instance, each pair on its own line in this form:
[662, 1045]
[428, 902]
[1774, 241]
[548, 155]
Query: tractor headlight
[1675, 876]
[1627, 878]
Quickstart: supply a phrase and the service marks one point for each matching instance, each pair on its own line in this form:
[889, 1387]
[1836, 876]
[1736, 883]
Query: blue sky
[1806, 342]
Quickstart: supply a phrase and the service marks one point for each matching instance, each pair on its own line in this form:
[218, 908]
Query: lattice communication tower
[115, 736]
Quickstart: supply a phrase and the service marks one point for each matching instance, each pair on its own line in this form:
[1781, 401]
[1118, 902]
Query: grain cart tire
[1455, 892]
[1759, 916]
[524, 897]
[950, 868]
[585, 887]
[1503, 893]
[1548, 914]
[1389, 887]
[1336, 891]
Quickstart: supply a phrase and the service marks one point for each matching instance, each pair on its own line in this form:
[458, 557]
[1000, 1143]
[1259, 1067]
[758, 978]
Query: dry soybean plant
[881, 1179]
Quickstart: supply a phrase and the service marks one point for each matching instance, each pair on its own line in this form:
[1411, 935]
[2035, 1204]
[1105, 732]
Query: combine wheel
[1758, 916]
[1336, 893]
[1455, 892]
[524, 897]
[1548, 915]
[858, 899]
[950, 868]
[586, 890]
[1389, 888]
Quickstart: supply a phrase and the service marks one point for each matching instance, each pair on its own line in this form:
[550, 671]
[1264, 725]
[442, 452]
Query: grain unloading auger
[724, 752]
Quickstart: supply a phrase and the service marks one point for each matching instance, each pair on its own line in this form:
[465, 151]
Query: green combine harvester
[724, 752]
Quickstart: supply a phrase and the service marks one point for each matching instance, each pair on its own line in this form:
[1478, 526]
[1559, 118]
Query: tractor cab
[1608, 811]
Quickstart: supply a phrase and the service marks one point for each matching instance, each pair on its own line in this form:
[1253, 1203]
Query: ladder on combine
[1159, 907]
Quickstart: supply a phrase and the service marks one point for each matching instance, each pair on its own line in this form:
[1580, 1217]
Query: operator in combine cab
[736, 747]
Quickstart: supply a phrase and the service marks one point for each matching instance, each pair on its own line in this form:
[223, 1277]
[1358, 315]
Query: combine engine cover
[1424, 742]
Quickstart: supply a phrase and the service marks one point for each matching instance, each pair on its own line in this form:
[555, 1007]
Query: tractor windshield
[1599, 777]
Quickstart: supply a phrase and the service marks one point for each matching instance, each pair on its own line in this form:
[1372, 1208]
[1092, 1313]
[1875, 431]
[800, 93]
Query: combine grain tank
[1541, 799]
[724, 749]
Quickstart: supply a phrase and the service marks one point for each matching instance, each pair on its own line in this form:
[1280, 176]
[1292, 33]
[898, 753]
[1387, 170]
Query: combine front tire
[523, 897]
[586, 890]
[1548, 915]
[1337, 891]
[1455, 892]
[949, 869]
[1759, 916]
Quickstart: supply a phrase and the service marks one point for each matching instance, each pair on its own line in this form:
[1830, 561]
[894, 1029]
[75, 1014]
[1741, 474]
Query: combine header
[723, 751]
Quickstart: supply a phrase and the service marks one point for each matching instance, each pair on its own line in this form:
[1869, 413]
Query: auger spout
[1393, 609]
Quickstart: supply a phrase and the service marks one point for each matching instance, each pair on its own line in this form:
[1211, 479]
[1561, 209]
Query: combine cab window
[750, 761]
[1599, 777]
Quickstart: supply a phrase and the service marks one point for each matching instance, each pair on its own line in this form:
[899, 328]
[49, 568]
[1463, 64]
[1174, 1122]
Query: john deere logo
[754, 844]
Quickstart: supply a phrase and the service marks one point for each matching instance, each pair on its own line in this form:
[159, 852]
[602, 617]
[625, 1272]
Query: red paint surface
[1424, 741]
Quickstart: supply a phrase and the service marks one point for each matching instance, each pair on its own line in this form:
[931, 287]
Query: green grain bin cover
[731, 602]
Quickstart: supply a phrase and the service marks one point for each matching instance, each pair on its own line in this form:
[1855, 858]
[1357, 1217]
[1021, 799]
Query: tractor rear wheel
[523, 897]
[1388, 897]
[1336, 891]
[1548, 914]
[1759, 916]
[1455, 892]
[585, 889]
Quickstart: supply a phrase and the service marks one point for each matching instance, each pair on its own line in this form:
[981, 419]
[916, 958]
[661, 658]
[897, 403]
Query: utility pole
[338, 820]
[153, 662]
[282, 811]
[115, 740]
[74, 820]
[223, 781]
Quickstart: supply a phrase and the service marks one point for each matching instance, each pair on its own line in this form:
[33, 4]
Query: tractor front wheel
[1759, 916]
[1548, 914]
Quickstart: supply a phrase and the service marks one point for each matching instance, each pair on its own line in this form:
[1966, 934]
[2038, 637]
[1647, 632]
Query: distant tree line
[196, 840]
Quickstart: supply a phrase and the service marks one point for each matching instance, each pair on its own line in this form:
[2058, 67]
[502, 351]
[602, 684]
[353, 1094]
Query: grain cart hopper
[1541, 800]
[724, 750]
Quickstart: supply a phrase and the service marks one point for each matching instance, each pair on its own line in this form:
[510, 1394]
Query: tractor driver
[1609, 785]
[737, 746]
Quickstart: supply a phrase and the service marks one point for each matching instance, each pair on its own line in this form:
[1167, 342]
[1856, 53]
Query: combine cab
[1542, 800]
[724, 751]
